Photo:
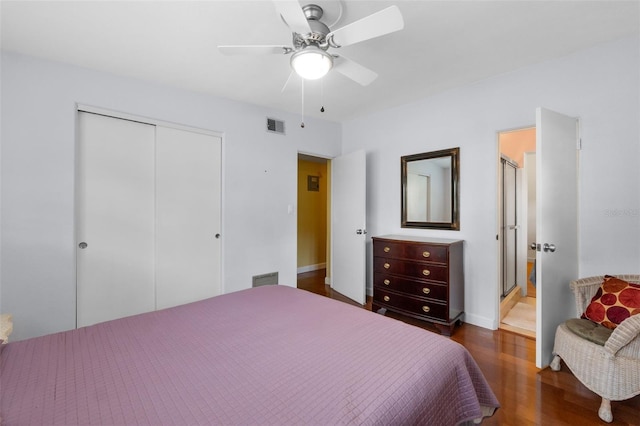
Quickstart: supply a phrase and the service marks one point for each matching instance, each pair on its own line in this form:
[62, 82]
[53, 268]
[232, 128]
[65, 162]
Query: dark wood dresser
[419, 277]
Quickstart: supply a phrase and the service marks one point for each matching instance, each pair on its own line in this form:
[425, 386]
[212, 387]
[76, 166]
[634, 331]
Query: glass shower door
[509, 225]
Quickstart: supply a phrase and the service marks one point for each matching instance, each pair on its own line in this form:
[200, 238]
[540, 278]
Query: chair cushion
[589, 330]
[615, 301]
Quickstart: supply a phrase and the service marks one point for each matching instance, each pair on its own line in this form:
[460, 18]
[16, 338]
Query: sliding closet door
[187, 216]
[115, 210]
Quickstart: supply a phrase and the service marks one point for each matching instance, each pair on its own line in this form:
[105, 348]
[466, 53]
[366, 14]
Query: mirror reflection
[429, 190]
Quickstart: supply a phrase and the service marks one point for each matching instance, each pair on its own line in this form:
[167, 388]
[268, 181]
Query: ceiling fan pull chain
[322, 94]
[302, 106]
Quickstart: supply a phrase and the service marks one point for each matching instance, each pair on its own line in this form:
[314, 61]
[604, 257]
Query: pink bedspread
[270, 355]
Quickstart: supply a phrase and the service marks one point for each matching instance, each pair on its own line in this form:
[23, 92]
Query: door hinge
[579, 144]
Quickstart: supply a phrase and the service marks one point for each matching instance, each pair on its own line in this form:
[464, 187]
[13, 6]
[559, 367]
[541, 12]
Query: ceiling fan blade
[354, 71]
[254, 50]
[378, 24]
[293, 15]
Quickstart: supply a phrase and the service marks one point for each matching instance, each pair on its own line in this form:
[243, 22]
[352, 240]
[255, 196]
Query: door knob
[83, 245]
[548, 247]
[533, 246]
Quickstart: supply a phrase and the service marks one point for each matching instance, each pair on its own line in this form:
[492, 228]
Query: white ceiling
[444, 44]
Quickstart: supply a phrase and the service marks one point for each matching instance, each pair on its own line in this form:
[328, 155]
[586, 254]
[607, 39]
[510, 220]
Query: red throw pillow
[615, 301]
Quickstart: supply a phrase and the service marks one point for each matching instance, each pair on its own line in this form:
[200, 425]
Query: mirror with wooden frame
[430, 193]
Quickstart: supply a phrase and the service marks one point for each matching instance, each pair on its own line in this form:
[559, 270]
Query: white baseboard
[480, 321]
[309, 268]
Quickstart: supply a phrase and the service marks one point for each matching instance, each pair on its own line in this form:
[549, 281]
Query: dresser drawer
[411, 305]
[414, 251]
[410, 287]
[411, 269]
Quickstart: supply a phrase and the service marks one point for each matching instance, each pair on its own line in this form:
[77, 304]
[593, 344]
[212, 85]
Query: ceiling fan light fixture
[311, 63]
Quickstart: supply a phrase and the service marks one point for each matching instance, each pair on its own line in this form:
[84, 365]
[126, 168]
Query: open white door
[348, 220]
[556, 225]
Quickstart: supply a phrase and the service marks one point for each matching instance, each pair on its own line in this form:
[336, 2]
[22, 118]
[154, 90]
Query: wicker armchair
[612, 371]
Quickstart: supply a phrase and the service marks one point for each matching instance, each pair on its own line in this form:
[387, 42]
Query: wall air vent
[275, 126]
[265, 279]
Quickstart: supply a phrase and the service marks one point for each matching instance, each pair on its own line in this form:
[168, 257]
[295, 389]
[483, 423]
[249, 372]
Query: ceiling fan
[312, 39]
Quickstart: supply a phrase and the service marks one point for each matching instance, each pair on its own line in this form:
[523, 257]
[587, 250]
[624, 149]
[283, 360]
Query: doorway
[345, 218]
[314, 229]
[516, 207]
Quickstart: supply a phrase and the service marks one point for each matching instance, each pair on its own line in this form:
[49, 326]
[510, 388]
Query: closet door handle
[83, 245]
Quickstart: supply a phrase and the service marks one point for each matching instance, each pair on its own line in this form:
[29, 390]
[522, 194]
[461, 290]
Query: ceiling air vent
[275, 126]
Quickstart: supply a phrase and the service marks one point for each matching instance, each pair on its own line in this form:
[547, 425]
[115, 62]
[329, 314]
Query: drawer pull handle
[387, 266]
[386, 282]
[426, 272]
[426, 308]
[386, 298]
[426, 290]
[426, 254]
[387, 249]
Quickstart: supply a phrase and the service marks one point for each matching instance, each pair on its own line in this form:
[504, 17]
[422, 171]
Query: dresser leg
[446, 330]
[378, 309]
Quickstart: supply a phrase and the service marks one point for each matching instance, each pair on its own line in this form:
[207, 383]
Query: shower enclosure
[508, 224]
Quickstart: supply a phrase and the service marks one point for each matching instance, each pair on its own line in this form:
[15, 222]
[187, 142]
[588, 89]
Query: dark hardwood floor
[528, 396]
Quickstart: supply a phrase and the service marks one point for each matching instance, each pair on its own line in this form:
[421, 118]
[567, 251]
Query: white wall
[37, 181]
[599, 85]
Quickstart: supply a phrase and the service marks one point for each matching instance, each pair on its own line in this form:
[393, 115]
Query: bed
[268, 355]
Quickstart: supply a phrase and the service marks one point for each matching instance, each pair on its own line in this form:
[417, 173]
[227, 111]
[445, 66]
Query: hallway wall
[312, 216]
